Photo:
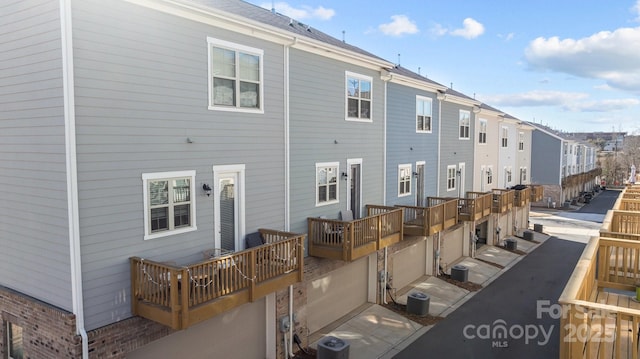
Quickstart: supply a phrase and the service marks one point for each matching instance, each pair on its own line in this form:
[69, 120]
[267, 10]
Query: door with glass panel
[355, 181]
[228, 204]
[420, 198]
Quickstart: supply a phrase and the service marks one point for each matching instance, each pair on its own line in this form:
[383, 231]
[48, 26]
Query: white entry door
[228, 207]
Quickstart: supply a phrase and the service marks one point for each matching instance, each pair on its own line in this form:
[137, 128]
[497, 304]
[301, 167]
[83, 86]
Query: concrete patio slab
[479, 272]
[442, 294]
[496, 255]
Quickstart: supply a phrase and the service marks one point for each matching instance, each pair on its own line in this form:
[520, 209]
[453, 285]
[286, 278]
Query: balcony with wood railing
[475, 206]
[440, 214]
[522, 197]
[537, 192]
[502, 200]
[601, 313]
[350, 240]
[182, 296]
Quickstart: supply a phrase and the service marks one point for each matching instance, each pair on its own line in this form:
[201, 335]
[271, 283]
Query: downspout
[384, 276]
[440, 96]
[72, 172]
[287, 172]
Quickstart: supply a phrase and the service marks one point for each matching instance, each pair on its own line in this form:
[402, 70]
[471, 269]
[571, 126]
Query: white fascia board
[548, 133]
[247, 26]
[415, 83]
[487, 112]
[461, 100]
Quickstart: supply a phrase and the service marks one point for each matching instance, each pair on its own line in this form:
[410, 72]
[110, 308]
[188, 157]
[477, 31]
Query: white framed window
[14, 340]
[507, 175]
[465, 123]
[423, 114]
[490, 175]
[359, 97]
[520, 141]
[169, 203]
[327, 183]
[235, 77]
[451, 178]
[482, 131]
[504, 138]
[523, 174]
[404, 180]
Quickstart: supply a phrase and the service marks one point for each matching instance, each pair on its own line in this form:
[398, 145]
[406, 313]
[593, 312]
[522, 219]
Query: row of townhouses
[214, 178]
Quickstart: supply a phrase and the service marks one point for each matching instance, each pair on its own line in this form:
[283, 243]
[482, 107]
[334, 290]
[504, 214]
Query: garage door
[336, 294]
[215, 338]
[409, 264]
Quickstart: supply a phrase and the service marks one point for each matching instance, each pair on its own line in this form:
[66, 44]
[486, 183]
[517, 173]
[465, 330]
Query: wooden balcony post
[300, 259]
[185, 278]
[252, 275]
[133, 263]
[379, 231]
[174, 299]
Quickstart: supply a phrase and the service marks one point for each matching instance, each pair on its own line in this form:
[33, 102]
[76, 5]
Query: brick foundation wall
[49, 332]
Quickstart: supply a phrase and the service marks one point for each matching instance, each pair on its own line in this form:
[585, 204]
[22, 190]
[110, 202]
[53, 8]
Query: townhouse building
[178, 171]
[562, 164]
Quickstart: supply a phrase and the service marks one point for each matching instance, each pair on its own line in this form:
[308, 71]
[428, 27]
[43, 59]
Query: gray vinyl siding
[406, 146]
[546, 152]
[317, 122]
[34, 236]
[141, 91]
[453, 150]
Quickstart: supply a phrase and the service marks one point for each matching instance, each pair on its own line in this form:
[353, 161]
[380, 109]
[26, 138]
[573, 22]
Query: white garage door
[336, 294]
[409, 264]
[239, 333]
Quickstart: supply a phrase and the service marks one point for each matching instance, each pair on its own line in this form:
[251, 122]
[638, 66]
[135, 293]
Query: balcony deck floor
[621, 299]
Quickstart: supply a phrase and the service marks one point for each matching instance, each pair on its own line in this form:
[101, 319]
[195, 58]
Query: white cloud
[609, 56]
[470, 29]
[399, 25]
[602, 105]
[301, 13]
[507, 37]
[535, 98]
[636, 10]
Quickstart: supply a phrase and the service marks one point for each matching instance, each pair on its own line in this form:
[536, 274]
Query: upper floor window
[235, 77]
[489, 175]
[504, 138]
[465, 123]
[565, 146]
[404, 180]
[521, 141]
[523, 174]
[507, 175]
[168, 202]
[423, 114]
[451, 178]
[326, 183]
[482, 131]
[358, 97]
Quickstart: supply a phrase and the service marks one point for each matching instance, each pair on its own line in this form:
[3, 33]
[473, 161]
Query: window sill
[169, 233]
[424, 131]
[352, 119]
[236, 109]
[321, 204]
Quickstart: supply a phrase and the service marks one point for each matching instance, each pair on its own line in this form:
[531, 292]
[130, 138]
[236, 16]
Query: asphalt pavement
[516, 315]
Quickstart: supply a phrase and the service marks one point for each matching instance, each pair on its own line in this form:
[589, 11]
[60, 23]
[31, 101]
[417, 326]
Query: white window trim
[504, 136]
[520, 141]
[489, 171]
[348, 74]
[468, 125]
[338, 179]
[454, 177]
[430, 100]
[508, 175]
[480, 125]
[401, 167]
[211, 41]
[145, 191]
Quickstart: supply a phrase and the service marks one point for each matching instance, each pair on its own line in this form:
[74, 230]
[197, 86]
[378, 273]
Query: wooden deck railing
[537, 193]
[350, 240]
[474, 206]
[439, 215]
[601, 318]
[181, 296]
[502, 200]
[522, 197]
[590, 329]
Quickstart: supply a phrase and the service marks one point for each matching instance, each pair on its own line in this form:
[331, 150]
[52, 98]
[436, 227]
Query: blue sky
[572, 65]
